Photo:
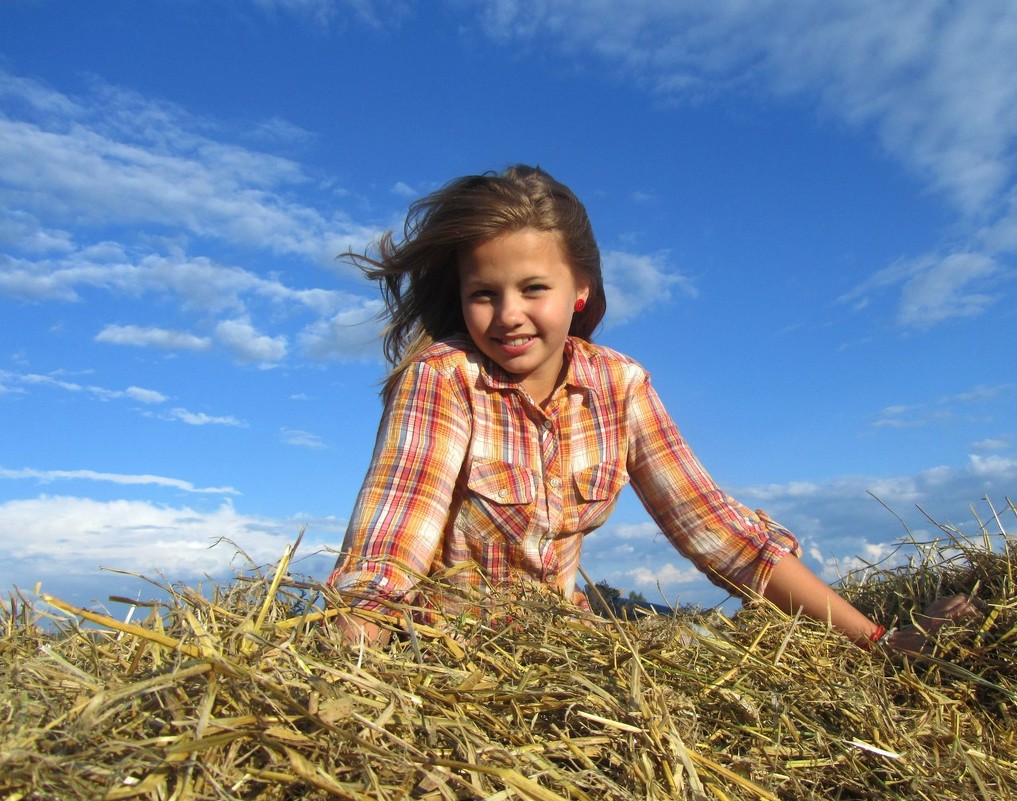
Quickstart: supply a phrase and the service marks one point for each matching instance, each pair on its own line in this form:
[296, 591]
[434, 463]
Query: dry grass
[249, 694]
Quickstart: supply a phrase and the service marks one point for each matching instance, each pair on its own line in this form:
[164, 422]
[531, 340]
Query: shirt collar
[580, 373]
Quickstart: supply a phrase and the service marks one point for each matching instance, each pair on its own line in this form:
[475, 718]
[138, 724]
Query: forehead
[515, 254]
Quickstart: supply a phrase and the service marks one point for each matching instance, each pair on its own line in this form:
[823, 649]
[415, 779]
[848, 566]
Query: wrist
[880, 636]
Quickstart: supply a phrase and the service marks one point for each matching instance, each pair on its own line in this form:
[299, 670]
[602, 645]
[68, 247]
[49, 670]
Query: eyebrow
[527, 280]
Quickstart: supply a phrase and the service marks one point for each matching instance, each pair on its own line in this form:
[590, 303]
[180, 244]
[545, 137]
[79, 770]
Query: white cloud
[354, 333]
[202, 419]
[945, 410]
[867, 555]
[993, 467]
[404, 190]
[20, 228]
[48, 538]
[140, 394]
[663, 575]
[635, 532]
[634, 283]
[48, 476]
[841, 515]
[145, 395]
[241, 339]
[843, 524]
[301, 439]
[148, 336]
[141, 161]
[116, 161]
[934, 81]
[957, 285]
[993, 444]
[199, 283]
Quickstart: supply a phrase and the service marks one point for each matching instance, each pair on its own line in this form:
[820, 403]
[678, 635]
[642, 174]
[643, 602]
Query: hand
[947, 610]
[915, 638]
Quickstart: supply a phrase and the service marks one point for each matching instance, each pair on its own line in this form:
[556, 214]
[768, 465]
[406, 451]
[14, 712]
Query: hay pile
[247, 694]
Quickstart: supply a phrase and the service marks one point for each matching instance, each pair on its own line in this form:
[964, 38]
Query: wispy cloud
[404, 190]
[843, 524]
[325, 13]
[945, 409]
[52, 539]
[152, 337]
[346, 335]
[143, 161]
[148, 397]
[993, 444]
[633, 283]
[843, 519]
[301, 439]
[73, 174]
[933, 81]
[49, 476]
[76, 179]
[203, 419]
[57, 381]
[934, 288]
[246, 344]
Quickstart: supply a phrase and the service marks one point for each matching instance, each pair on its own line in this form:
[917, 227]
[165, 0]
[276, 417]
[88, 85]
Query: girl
[507, 434]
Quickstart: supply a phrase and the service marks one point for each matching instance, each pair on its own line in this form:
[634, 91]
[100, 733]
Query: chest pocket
[597, 488]
[500, 502]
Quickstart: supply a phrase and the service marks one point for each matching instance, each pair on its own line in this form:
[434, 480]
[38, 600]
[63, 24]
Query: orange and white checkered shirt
[469, 473]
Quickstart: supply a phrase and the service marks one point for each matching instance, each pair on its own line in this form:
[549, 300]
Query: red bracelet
[880, 636]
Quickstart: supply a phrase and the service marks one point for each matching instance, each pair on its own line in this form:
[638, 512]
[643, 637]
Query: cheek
[473, 316]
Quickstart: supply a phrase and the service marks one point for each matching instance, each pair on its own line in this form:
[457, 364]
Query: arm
[792, 586]
[735, 547]
[398, 521]
[356, 629]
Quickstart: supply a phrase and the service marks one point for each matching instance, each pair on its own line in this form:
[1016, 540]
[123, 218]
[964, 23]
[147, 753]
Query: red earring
[580, 305]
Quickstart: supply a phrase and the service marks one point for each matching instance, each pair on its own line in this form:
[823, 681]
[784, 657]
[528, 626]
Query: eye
[536, 289]
[480, 294]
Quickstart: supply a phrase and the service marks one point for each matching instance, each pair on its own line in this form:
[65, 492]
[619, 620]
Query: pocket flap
[600, 482]
[501, 482]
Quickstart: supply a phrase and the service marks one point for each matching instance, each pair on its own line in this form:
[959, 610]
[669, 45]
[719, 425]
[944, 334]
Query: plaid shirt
[473, 479]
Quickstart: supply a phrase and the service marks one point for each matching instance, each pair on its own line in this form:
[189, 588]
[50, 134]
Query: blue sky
[808, 216]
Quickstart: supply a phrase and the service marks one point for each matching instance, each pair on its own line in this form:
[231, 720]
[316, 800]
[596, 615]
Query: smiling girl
[508, 435]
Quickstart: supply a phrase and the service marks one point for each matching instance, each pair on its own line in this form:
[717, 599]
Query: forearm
[356, 630]
[792, 586]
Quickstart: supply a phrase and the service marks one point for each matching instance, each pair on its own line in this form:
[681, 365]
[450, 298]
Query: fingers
[909, 640]
[952, 609]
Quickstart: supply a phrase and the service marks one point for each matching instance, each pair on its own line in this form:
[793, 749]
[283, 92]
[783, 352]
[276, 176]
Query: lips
[515, 346]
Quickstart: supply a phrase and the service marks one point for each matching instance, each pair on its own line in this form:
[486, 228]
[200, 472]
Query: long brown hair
[419, 275]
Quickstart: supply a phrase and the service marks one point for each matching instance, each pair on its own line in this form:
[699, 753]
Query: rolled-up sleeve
[402, 508]
[735, 547]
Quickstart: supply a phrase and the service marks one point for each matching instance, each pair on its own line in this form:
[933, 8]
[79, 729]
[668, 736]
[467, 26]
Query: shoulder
[453, 361]
[450, 355]
[446, 369]
[601, 367]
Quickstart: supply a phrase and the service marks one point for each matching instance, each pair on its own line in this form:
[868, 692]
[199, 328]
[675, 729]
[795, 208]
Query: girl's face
[518, 294]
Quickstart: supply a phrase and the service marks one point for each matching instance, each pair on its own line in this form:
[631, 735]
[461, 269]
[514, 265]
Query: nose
[509, 311]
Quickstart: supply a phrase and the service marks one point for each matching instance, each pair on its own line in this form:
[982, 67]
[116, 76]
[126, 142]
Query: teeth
[512, 343]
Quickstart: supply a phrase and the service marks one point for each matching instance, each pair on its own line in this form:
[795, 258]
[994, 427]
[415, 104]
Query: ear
[582, 291]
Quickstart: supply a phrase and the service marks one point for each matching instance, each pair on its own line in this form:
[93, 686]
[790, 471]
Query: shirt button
[556, 482]
[547, 425]
[502, 493]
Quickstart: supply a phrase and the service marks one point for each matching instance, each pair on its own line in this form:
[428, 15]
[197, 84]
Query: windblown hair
[419, 275]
